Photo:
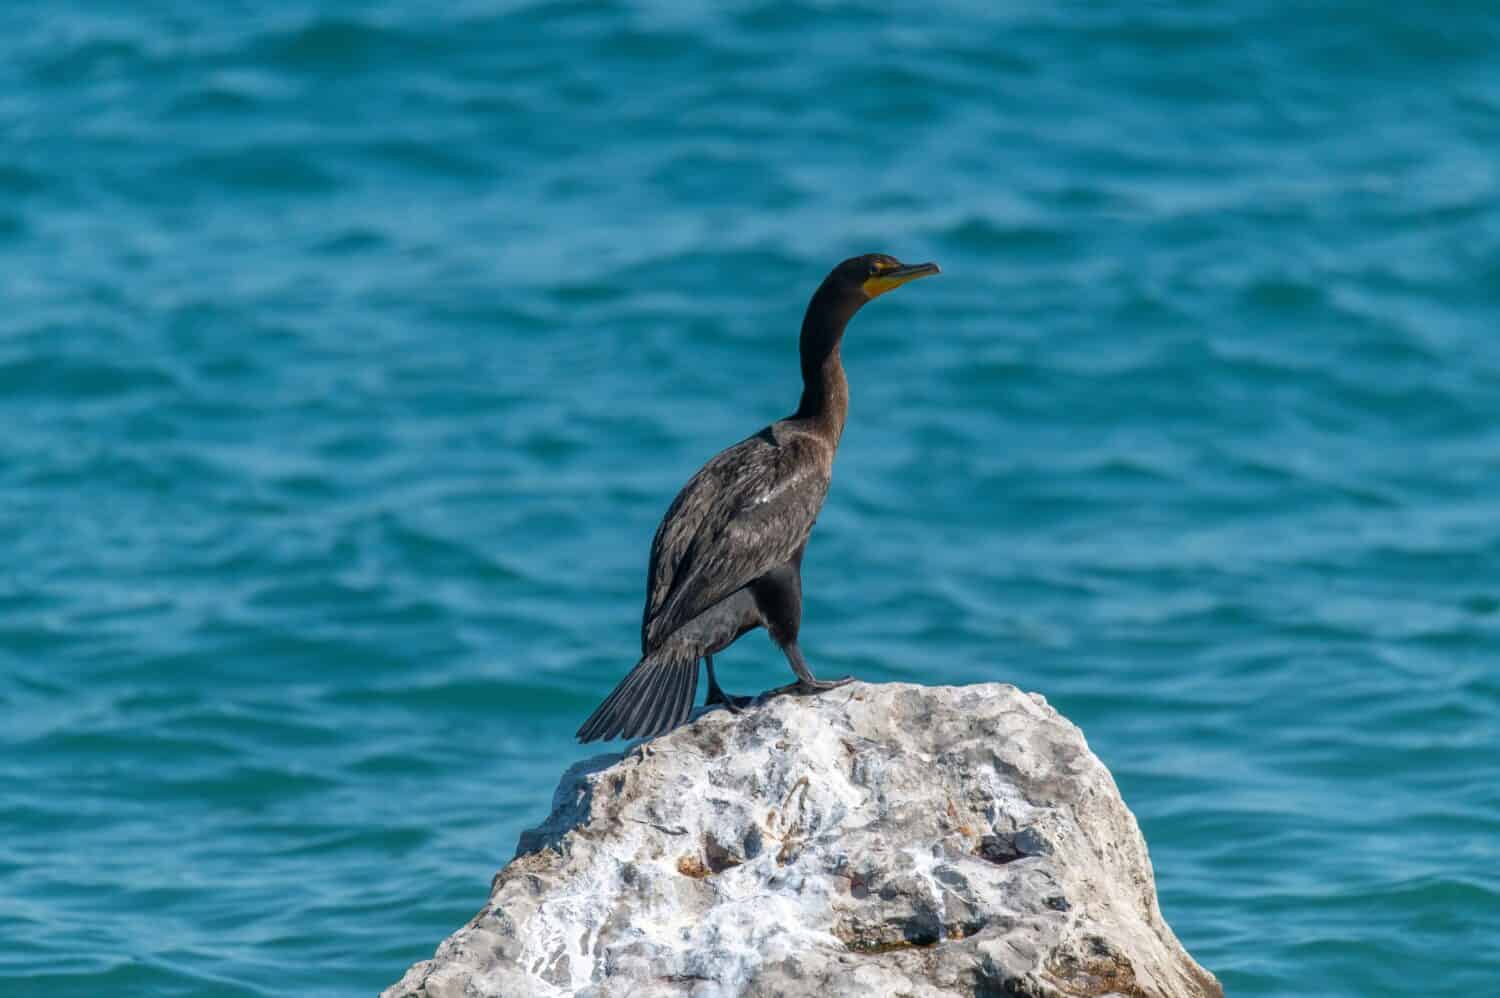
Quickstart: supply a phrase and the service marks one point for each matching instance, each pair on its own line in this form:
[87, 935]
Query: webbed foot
[806, 683]
[804, 687]
[733, 704]
[716, 694]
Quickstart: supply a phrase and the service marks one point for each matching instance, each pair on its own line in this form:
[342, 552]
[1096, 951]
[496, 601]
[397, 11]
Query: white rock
[870, 841]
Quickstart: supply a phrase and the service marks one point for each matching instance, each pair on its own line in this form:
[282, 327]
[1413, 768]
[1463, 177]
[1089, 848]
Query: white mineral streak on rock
[871, 841]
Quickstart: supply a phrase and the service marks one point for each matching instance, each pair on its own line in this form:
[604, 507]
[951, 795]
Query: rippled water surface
[350, 353]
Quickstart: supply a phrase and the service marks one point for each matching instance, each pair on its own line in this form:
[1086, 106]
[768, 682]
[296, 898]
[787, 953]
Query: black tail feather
[653, 698]
[683, 696]
[673, 692]
[635, 708]
[659, 698]
[593, 728]
[685, 704]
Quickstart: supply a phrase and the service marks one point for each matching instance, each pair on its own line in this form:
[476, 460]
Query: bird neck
[825, 390]
[825, 396]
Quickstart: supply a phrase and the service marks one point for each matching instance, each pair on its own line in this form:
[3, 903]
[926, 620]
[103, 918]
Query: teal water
[350, 353]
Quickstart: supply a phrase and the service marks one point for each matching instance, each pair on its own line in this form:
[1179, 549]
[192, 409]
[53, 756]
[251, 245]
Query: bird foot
[803, 687]
[733, 704]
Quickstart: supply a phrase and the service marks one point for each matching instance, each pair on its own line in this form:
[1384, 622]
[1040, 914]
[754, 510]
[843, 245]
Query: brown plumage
[728, 555]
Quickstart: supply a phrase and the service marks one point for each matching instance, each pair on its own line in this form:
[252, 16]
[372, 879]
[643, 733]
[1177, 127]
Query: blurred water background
[350, 353]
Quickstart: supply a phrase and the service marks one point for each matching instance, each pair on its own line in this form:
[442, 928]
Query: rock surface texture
[872, 841]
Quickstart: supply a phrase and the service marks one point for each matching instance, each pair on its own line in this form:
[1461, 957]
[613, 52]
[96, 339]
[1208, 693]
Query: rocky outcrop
[871, 841]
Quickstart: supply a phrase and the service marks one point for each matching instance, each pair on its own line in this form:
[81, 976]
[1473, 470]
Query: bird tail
[653, 698]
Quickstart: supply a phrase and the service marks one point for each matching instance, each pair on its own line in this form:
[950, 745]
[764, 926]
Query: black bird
[727, 557]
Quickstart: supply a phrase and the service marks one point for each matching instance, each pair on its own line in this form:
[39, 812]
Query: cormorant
[727, 557]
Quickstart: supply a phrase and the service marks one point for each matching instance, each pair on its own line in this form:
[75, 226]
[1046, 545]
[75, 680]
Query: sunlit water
[349, 356]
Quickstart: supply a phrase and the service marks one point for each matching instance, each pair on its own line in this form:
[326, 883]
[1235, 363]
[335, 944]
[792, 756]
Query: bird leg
[806, 682]
[716, 694]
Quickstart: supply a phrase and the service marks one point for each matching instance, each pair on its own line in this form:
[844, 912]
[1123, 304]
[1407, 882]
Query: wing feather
[745, 512]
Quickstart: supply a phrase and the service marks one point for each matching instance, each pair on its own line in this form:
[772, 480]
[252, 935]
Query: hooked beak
[881, 283]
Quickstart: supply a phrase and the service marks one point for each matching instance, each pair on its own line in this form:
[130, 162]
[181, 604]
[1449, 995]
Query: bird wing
[745, 512]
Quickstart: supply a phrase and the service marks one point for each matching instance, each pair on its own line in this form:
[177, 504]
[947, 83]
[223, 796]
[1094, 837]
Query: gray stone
[871, 841]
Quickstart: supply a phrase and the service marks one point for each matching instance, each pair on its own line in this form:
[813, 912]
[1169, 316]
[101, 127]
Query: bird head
[872, 275]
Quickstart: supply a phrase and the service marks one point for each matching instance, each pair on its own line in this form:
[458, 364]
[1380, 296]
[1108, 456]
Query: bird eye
[875, 267]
